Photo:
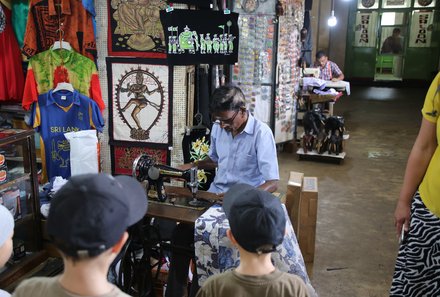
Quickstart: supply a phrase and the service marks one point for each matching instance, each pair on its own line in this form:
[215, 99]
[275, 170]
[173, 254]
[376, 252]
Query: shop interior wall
[179, 102]
[420, 64]
[331, 40]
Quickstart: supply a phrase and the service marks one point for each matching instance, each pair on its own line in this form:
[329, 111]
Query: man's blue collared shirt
[250, 157]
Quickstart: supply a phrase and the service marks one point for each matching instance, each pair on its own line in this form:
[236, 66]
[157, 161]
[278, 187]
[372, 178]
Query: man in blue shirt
[242, 147]
[243, 151]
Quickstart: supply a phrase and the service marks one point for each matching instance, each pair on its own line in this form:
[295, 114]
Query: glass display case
[19, 193]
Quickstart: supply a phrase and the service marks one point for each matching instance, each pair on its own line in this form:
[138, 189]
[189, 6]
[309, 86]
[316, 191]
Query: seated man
[87, 222]
[328, 69]
[243, 150]
[258, 225]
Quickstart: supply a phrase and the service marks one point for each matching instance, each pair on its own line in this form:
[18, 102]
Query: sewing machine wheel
[140, 167]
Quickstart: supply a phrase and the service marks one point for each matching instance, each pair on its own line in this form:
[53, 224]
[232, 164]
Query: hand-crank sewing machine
[145, 168]
[185, 206]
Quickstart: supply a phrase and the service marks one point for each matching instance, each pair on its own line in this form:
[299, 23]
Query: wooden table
[179, 210]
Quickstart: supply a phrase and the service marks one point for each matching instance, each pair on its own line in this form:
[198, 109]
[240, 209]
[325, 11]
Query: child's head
[91, 213]
[6, 232]
[256, 218]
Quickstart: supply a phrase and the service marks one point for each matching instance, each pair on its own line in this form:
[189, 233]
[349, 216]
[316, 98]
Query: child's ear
[118, 245]
[231, 237]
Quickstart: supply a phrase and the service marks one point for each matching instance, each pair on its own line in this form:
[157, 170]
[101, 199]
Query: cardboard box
[293, 196]
[308, 213]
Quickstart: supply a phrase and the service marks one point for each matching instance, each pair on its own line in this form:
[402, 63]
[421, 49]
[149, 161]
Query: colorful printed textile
[2, 20]
[135, 28]
[20, 11]
[43, 27]
[140, 101]
[215, 253]
[123, 157]
[200, 36]
[11, 73]
[55, 114]
[50, 67]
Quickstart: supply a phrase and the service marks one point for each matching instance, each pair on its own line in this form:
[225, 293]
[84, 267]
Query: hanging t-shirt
[20, 11]
[55, 114]
[11, 73]
[200, 36]
[50, 67]
[43, 26]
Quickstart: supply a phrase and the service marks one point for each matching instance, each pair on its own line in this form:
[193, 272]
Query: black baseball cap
[256, 218]
[89, 214]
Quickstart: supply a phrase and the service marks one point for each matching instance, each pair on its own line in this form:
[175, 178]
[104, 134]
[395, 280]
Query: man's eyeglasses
[227, 121]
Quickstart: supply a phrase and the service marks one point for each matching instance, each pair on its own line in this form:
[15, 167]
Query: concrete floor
[356, 243]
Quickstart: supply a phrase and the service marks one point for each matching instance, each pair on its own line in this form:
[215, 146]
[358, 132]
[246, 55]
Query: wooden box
[308, 209]
[293, 196]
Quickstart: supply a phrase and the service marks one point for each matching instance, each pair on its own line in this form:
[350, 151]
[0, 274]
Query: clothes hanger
[61, 44]
[63, 86]
[199, 119]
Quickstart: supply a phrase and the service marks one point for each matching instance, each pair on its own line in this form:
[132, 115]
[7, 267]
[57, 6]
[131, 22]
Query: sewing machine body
[145, 168]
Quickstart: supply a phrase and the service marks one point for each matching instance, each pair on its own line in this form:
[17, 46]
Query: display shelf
[15, 181]
[314, 155]
[20, 195]
[16, 271]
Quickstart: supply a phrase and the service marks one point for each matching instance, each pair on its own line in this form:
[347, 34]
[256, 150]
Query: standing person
[257, 227]
[87, 222]
[417, 214]
[6, 233]
[243, 150]
[393, 43]
[328, 69]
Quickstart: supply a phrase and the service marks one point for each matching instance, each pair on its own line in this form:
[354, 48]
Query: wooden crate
[308, 208]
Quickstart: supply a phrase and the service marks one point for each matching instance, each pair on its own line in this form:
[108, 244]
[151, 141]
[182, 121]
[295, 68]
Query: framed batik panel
[139, 101]
[124, 156]
[134, 28]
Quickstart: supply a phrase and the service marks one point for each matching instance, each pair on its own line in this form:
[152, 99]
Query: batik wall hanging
[135, 28]
[139, 100]
[124, 156]
[198, 3]
[200, 36]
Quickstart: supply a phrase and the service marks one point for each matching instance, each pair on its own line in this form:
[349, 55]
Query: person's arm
[418, 162]
[270, 186]
[207, 164]
[336, 72]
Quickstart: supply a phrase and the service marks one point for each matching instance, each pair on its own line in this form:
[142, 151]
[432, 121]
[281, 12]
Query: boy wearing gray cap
[257, 226]
[6, 232]
[87, 222]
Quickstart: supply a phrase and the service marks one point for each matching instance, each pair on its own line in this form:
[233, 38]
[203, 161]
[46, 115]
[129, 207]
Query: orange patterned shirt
[47, 16]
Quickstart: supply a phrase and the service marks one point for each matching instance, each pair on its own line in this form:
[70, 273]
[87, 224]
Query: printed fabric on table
[215, 253]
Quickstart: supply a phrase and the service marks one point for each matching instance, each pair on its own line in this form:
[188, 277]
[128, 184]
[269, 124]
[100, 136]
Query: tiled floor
[356, 243]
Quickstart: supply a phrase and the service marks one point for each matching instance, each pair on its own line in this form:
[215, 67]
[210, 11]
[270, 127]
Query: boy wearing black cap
[87, 222]
[257, 226]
